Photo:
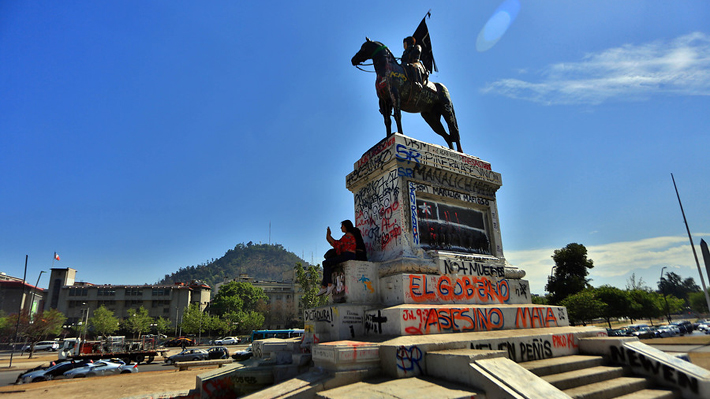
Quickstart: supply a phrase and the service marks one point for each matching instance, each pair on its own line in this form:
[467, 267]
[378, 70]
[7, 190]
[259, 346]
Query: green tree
[138, 321]
[251, 321]
[698, 302]
[570, 272]
[236, 296]
[37, 328]
[103, 322]
[672, 305]
[309, 279]
[540, 300]
[230, 322]
[161, 325]
[617, 301]
[3, 322]
[195, 321]
[645, 304]
[673, 284]
[583, 306]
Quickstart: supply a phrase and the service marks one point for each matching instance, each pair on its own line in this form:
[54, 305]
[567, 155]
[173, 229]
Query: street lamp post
[34, 292]
[663, 291]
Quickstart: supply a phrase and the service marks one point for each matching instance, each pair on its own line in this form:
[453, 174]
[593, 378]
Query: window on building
[106, 291]
[78, 291]
[134, 292]
[161, 291]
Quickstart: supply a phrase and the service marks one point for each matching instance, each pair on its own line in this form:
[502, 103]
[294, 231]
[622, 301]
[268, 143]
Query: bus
[264, 334]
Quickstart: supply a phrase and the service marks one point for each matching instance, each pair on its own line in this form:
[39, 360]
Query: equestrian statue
[406, 87]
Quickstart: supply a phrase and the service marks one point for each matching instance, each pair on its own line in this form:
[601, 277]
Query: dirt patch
[141, 384]
[110, 387]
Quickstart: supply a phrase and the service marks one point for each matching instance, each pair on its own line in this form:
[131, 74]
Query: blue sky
[140, 137]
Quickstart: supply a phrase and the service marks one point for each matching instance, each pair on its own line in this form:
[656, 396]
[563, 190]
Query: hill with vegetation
[260, 261]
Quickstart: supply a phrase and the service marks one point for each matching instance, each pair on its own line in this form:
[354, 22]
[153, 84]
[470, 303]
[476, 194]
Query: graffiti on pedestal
[378, 214]
[453, 228]
[436, 289]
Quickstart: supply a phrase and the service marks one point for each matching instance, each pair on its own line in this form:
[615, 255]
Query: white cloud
[629, 72]
[615, 262]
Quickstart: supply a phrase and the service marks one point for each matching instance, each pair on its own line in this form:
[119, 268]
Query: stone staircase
[590, 377]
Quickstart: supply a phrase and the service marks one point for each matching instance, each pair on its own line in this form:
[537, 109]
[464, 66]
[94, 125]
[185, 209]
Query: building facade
[74, 299]
[284, 308]
[17, 296]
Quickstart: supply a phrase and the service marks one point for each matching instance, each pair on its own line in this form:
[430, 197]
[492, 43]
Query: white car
[49, 373]
[42, 346]
[666, 331]
[227, 341]
[102, 367]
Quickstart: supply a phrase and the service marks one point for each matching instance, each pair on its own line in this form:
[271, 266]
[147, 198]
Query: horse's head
[367, 51]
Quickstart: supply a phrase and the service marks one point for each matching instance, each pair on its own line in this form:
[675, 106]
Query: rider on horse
[412, 66]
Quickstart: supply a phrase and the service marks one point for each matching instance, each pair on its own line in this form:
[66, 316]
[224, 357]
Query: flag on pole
[56, 256]
[421, 35]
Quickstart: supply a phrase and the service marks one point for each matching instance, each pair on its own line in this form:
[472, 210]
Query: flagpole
[695, 254]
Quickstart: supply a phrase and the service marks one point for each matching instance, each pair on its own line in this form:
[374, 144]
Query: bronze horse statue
[397, 93]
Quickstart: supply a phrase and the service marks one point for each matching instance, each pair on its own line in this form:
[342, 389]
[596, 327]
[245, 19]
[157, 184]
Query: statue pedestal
[412, 197]
[429, 219]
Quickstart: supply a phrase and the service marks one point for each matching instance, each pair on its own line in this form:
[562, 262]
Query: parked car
[42, 346]
[187, 355]
[102, 367]
[616, 332]
[703, 325]
[49, 373]
[243, 354]
[684, 326]
[217, 352]
[179, 341]
[643, 333]
[227, 341]
[666, 331]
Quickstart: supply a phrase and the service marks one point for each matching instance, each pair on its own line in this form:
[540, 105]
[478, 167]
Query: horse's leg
[386, 111]
[433, 118]
[447, 111]
[397, 105]
[450, 118]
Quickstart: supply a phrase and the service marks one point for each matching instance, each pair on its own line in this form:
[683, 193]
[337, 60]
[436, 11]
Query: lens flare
[497, 25]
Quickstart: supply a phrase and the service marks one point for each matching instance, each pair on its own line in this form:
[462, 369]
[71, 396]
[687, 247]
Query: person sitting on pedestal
[345, 249]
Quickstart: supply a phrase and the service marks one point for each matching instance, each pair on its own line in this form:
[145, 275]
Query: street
[21, 362]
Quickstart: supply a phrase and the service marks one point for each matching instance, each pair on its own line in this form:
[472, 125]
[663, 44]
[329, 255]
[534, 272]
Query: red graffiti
[440, 320]
[535, 317]
[564, 341]
[479, 288]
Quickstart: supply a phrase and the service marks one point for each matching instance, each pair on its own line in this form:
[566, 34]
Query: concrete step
[562, 364]
[402, 388]
[609, 389]
[576, 378]
[653, 394]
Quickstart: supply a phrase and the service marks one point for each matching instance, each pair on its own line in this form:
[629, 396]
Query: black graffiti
[621, 354]
[522, 290]
[372, 165]
[455, 180]
[318, 315]
[536, 350]
[377, 211]
[244, 380]
[561, 314]
[472, 268]
[502, 346]
[374, 323]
